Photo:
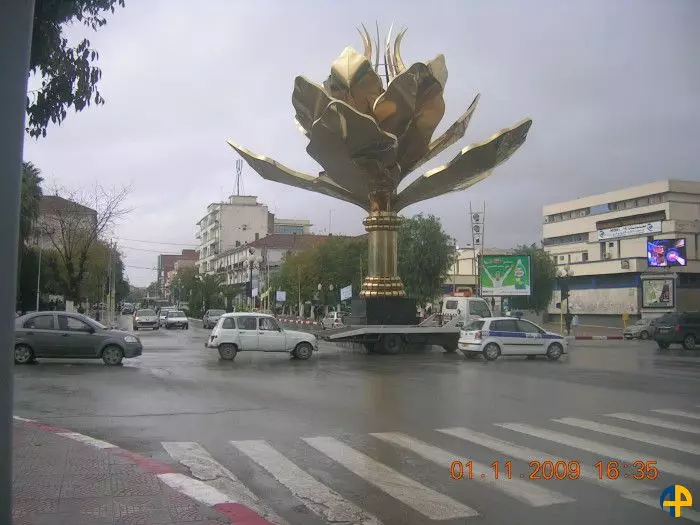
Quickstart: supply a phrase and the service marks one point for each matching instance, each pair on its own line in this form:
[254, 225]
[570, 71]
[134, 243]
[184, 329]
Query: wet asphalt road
[352, 438]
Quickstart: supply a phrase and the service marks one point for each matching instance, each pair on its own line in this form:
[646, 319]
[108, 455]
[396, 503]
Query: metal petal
[353, 80]
[345, 142]
[272, 170]
[394, 108]
[309, 101]
[473, 164]
[455, 132]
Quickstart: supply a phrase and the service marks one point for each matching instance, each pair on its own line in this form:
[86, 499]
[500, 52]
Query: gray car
[642, 329]
[68, 335]
[211, 317]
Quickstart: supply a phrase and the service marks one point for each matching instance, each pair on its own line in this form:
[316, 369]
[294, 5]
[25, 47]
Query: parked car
[176, 319]
[496, 336]
[251, 332]
[145, 318]
[642, 329]
[333, 320]
[211, 317]
[678, 328]
[70, 335]
[128, 309]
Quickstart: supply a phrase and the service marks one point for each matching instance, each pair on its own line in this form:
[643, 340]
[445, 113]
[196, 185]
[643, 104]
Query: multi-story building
[266, 254]
[601, 243]
[179, 265]
[239, 221]
[166, 266]
[62, 221]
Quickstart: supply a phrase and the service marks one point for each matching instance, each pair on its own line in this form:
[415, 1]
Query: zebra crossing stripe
[319, 498]
[601, 449]
[652, 439]
[428, 502]
[528, 454]
[675, 412]
[653, 501]
[656, 422]
[204, 467]
[524, 491]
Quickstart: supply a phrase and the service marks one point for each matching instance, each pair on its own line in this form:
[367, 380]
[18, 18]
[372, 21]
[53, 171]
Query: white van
[465, 307]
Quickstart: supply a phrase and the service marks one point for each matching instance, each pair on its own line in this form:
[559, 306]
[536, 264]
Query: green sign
[505, 275]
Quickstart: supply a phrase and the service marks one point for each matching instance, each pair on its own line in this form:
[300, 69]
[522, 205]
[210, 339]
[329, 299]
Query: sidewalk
[65, 478]
[587, 331]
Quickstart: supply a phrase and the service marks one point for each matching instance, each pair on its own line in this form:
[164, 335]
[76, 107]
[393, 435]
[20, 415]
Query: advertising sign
[280, 296]
[346, 293]
[632, 230]
[657, 293]
[504, 275]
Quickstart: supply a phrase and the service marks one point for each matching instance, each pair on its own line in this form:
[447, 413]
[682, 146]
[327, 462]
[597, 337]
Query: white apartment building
[601, 242]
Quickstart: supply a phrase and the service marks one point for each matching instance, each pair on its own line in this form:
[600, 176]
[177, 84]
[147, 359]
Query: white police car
[496, 336]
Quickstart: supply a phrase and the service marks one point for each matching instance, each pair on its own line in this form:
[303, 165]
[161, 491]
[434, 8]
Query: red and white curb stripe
[595, 337]
[237, 513]
[286, 320]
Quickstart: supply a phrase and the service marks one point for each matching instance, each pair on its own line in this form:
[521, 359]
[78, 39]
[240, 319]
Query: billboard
[346, 293]
[666, 252]
[505, 275]
[657, 293]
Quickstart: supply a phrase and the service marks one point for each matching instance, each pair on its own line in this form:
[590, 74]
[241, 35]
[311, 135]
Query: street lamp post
[456, 264]
[564, 276]
[253, 261]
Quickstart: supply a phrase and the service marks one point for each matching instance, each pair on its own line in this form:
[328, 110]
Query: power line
[190, 245]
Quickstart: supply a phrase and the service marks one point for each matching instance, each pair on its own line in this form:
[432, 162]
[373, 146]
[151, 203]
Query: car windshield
[216, 312]
[176, 313]
[145, 313]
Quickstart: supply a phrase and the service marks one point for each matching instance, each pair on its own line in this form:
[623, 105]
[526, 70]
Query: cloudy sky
[612, 87]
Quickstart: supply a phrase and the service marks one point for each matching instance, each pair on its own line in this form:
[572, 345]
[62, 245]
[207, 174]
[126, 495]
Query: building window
[654, 199]
[257, 236]
[584, 256]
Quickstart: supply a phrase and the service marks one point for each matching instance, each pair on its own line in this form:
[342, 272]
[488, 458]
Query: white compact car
[496, 336]
[176, 319]
[255, 332]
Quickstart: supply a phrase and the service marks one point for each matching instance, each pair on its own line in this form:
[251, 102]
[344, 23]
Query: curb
[594, 337]
[203, 493]
[288, 320]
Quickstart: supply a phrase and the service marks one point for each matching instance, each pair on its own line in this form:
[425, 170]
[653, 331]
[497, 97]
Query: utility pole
[113, 289]
[15, 36]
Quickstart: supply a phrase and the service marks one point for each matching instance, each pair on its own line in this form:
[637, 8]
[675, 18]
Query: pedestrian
[568, 318]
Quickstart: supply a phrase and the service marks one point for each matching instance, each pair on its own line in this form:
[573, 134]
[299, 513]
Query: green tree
[28, 273]
[68, 73]
[424, 258]
[29, 212]
[543, 275]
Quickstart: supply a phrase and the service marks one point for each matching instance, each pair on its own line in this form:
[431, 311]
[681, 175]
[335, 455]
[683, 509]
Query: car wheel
[23, 354]
[156, 327]
[644, 335]
[491, 352]
[392, 344]
[112, 355]
[228, 351]
[554, 351]
[689, 342]
[303, 351]
[450, 349]
[663, 346]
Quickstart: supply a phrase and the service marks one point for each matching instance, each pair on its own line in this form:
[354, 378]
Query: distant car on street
[128, 309]
[678, 328]
[642, 329]
[496, 336]
[255, 332]
[211, 317]
[176, 319]
[163, 312]
[69, 335]
[145, 318]
[333, 320]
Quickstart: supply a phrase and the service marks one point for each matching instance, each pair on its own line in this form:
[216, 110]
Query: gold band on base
[382, 278]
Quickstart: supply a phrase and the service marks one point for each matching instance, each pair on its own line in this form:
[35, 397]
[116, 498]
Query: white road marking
[195, 489]
[524, 491]
[656, 422]
[528, 454]
[319, 498]
[428, 502]
[82, 438]
[675, 412]
[601, 449]
[204, 467]
[653, 501]
[652, 439]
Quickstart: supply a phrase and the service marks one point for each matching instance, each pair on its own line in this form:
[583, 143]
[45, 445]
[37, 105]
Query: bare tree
[71, 222]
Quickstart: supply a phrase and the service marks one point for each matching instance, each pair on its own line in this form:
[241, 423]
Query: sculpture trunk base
[382, 270]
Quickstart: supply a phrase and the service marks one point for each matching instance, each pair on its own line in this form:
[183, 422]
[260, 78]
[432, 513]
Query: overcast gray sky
[612, 86]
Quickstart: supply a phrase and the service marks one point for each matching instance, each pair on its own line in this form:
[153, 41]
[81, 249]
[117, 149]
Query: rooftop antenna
[239, 176]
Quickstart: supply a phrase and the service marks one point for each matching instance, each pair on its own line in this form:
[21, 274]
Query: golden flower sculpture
[369, 125]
